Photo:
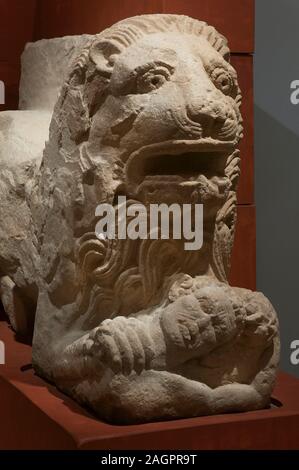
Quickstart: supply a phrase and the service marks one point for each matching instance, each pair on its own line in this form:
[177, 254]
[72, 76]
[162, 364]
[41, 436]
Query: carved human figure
[139, 330]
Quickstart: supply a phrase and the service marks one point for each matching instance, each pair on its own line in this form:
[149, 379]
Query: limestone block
[45, 65]
[23, 135]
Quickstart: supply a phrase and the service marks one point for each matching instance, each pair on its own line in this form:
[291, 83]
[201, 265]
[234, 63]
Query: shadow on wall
[277, 202]
[2, 314]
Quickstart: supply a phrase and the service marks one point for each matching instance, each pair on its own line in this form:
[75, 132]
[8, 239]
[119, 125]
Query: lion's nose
[215, 119]
[205, 115]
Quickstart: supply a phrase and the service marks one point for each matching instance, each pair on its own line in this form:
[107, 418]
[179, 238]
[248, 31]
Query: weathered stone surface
[137, 329]
[45, 66]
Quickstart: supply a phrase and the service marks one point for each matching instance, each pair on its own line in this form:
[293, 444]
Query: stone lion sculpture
[137, 330]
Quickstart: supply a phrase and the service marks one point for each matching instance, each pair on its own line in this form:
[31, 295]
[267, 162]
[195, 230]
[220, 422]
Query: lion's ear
[102, 53]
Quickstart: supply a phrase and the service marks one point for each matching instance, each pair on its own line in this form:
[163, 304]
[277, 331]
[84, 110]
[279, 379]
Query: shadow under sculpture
[137, 330]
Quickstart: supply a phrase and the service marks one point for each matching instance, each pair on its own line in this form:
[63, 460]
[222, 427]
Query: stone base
[34, 415]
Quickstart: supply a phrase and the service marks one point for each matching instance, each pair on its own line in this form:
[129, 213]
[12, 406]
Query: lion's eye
[223, 80]
[152, 79]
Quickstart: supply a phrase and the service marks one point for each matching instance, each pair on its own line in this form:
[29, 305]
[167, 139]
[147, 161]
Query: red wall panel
[244, 66]
[17, 21]
[66, 17]
[243, 268]
[233, 18]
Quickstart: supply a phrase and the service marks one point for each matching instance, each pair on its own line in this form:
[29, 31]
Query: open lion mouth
[178, 162]
[185, 166]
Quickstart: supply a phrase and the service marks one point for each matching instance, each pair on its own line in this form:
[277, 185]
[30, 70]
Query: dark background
[276, 65]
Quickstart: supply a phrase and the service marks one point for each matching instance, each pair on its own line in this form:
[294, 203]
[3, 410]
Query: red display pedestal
[34, 415]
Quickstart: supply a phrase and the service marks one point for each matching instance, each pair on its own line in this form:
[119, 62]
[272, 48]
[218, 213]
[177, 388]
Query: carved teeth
[163, 178]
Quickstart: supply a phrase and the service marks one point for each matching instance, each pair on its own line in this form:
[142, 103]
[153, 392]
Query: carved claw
[124, 345]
